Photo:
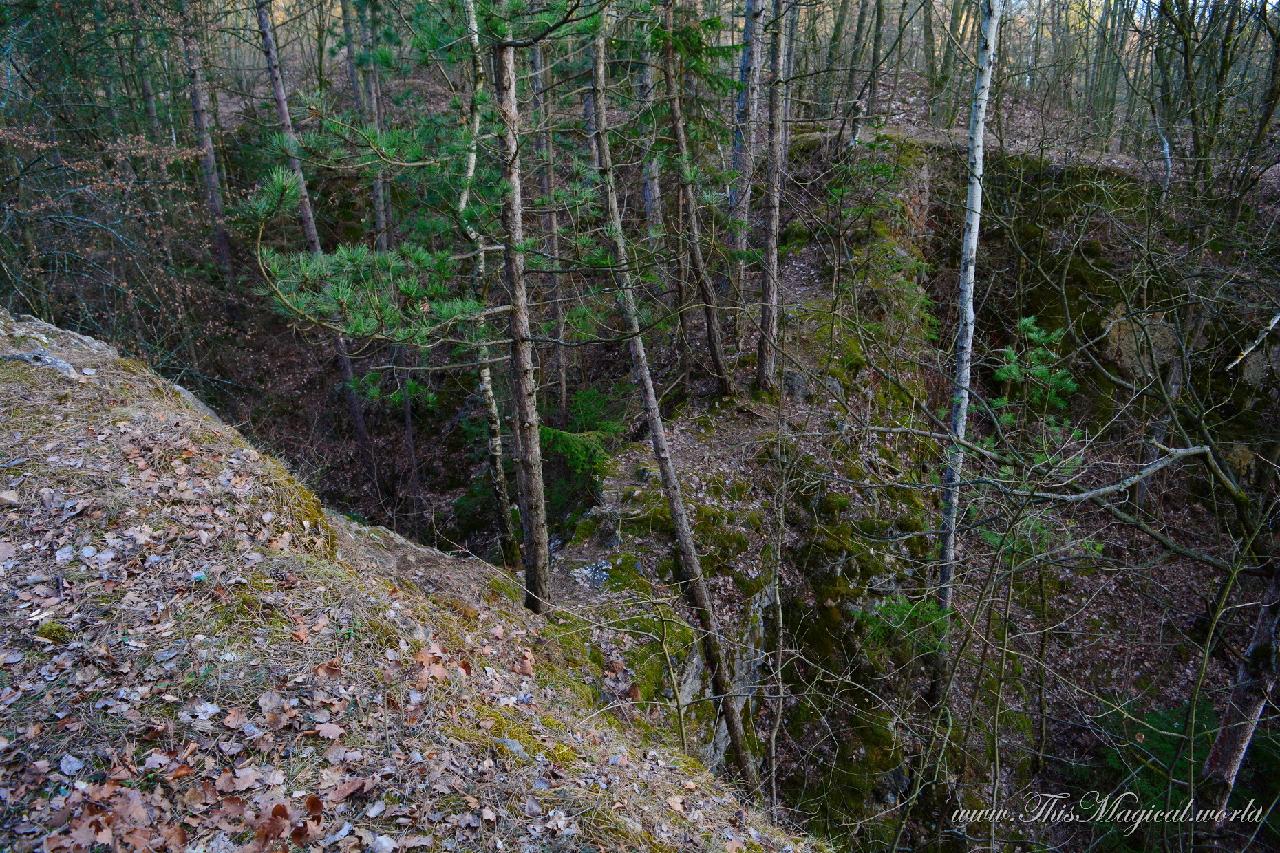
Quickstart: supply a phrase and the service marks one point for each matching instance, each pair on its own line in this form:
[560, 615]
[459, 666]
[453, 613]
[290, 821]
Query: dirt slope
[195, 655]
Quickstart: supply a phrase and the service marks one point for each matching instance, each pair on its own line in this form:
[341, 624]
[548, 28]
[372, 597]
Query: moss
[805, 146]
[660, 634]
[384, 633]
[624, 574]
[295, 501]
[720, 542]
[495, 725]
[840, 549]
[571, 635]
[586, 528]
[505, 586]
[652, 515]
[54, 632]
[833, 504]
[605, 829]
[767, 396]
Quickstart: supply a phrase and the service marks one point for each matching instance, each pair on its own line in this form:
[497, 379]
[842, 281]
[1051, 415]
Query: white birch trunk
[991, 11]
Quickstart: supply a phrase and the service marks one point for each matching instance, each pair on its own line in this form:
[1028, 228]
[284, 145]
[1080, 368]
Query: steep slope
[197, 656]
[809, 508]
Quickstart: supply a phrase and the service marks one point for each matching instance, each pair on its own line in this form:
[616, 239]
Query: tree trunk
[743, 158]
[766, 351]
[834, 47]
[305, 213]
[509, 542]
[497, 472]
[938, 88]
[696, 587]
[551, 226]
[1255, 682]
[154, 131]
[991, 10]
[533, 511]
[353, 69]
[204, 141]
[877, 59]
[381, 194]
[307, 217]
[702, 276]
[788, 69]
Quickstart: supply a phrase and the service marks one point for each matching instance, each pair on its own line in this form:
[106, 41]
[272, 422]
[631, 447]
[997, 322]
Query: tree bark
[353, 69]
[510, 544]
[833, 54]
[719, 366]
[991, 11]
[695, 582]
[381, 191]
[877, 45]
[551, 225]
[767, 346]
[743, 157]
[533, 511]
[508, 541]
[1255, 682]
[204, 141]
[154, 131]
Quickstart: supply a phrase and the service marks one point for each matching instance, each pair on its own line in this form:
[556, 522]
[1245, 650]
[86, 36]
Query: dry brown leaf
[332, 731]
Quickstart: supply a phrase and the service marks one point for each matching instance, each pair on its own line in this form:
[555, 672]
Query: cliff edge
[195, 655]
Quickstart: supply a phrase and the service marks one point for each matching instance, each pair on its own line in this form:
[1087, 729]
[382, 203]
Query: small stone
[796, 385]
[9, 498]
[70, 765]
[514, 747]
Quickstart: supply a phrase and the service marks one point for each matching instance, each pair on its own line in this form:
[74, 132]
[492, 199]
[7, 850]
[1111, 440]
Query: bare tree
[307, 217]
[696, 584]
[766, 355]
[204, 140]
[685, 167]
[959, 414]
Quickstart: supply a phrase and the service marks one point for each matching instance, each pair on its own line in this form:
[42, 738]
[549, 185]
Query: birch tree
[959, 412]
[493, 420]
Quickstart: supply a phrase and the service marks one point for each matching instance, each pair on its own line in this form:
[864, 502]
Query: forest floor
[194, 652]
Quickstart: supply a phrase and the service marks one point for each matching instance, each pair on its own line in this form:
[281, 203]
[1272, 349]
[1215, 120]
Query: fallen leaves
[524, 666]
[247, 702]
[332, 731]
[349, 788]
[240, 779]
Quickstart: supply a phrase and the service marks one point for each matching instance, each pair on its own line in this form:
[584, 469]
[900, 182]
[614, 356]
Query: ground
[197, 655]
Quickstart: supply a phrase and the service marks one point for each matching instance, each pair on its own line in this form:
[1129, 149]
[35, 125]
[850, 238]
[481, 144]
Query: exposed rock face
[197, 656]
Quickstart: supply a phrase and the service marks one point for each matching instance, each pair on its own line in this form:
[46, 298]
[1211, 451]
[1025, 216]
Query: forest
[727, 425]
